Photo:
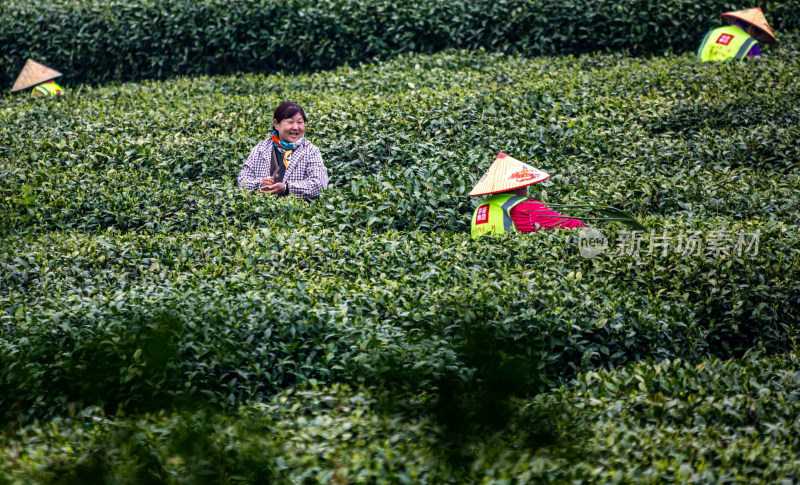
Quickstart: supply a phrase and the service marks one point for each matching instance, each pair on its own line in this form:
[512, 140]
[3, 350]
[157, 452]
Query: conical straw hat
[754, 17]
[507, 173]
[32, 74]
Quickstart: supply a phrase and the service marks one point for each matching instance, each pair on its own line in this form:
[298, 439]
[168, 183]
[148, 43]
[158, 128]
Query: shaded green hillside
[97, 42]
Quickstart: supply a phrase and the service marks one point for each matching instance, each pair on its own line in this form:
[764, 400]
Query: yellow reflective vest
[47, 89]
[725, 43]
[493, 216]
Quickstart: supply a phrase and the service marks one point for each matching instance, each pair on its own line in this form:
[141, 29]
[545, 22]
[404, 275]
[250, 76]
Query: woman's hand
[277, 189]
[266, 182]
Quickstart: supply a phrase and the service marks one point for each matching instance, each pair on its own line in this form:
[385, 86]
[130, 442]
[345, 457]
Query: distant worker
[509, 209]
[739, 38]
[40, 78]
[286, 162]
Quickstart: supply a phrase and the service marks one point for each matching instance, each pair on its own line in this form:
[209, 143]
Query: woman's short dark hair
[288, 110]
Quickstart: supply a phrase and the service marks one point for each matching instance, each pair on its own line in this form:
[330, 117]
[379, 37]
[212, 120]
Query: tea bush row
[404, 148]
[135, 280]
[151, 322]
[118, 40]
[118, 192]
[648, 422]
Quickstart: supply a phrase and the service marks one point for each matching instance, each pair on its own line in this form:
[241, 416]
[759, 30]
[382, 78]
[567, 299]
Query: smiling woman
[286, 163]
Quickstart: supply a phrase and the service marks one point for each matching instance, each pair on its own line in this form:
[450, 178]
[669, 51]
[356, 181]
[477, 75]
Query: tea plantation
[157, 325]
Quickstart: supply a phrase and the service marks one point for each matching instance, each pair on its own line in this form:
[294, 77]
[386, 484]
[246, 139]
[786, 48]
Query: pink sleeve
[532, 215]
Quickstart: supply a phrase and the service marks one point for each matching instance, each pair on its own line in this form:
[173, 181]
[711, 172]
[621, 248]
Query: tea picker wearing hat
[40, 78]
[286, 162]
[739, 38]
[509, 209]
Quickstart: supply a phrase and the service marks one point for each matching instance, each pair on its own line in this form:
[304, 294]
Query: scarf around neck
[284, 149]
[284, 145]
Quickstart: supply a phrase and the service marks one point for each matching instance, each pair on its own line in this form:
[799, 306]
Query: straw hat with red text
[33, 74]
[754, 17]
[507, 173]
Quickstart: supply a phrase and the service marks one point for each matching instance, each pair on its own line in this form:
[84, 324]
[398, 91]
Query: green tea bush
[412, 136]
[119, 40]
[199, 323]
[147, 323]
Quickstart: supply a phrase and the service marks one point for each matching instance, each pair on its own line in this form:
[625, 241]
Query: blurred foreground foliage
[650, 422]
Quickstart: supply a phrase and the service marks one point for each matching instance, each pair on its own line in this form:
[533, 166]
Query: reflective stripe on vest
[724, 43]
[494, 215]
[748, 44]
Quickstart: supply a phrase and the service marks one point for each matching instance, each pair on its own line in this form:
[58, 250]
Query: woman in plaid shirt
[286, 163]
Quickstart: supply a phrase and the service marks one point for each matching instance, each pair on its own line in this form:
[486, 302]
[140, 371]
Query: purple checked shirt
[306, 175]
